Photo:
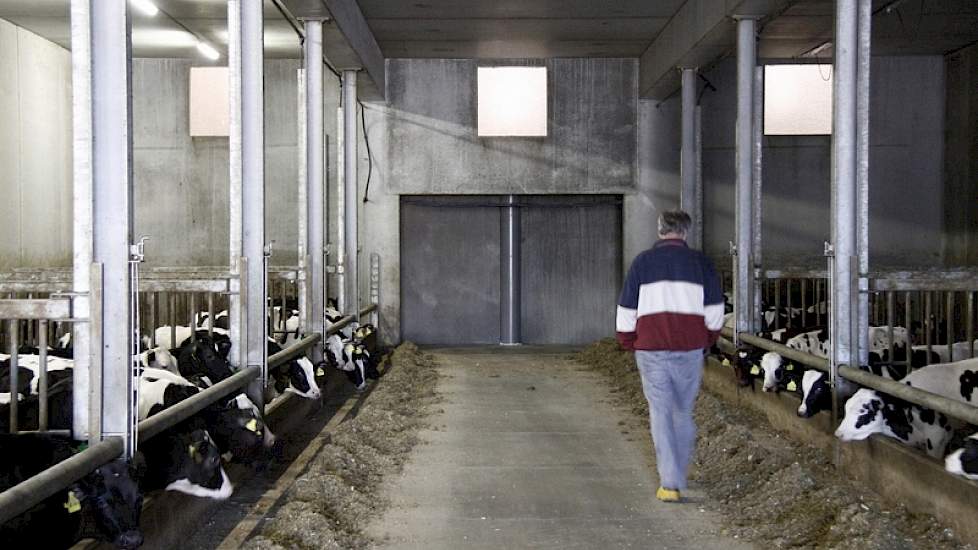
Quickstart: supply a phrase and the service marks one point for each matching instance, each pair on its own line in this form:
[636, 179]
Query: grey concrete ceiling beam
[700, 32]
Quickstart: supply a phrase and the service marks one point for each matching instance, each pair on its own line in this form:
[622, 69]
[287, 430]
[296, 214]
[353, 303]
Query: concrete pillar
[315, 180]
[112, 214]
[509, 281]
[746, 61]
[253, 188]
[864, 28]
[81, 104]
[842, 319]
[351, 195]
[688, 168]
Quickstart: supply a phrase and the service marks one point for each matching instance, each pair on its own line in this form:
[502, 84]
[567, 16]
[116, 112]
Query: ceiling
[516, 28]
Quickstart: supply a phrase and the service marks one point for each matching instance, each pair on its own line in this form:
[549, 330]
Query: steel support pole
[844, 183]
[697, 212]
[253, 187]
[315, 170]
[81, 105]
[757, 180]
[340, 243]
[864, 27]
[235, 328]
[687, 166]
[112, 208]
[350, 181]
[509, 281]
[303, 274]
[746, 61]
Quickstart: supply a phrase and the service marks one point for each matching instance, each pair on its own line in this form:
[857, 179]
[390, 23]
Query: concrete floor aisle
[528, 453]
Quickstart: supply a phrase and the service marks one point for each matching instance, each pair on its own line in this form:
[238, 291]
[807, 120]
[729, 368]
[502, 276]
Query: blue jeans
[671, 381]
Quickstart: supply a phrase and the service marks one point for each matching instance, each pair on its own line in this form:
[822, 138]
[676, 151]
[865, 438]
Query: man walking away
[670, 309]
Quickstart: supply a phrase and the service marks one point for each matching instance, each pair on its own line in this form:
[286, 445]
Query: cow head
[111, 496]
[774, 369]
[354, 366]
[206, 357]
[863, 416]
[195, 465]
[239, 429]
[964, 461]
[302, 379]
[816, 393]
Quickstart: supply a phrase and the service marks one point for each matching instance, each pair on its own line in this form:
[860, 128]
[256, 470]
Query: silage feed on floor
[330, 505]
[770, 489]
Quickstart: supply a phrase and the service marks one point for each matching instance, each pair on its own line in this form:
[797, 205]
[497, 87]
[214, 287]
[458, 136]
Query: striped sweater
[672, 300]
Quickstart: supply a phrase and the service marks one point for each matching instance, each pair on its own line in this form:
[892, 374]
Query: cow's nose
[269, 439]
[130, 539]
[802, 412]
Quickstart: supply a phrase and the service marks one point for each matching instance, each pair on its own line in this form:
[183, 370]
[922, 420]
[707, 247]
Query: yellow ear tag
[252, 425]
[790, 366]
[72, 505]
[726, 362]
[320, 372]
[792, 386]
[194, 454]
[349, 348]
[755, 370]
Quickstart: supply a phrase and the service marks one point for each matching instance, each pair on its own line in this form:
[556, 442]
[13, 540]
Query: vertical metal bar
[112, 228]
[970, 324]
[757, 172]
[949, 320]
[687, 155]
[927, 324]
[746, 60]
[171, 315]
[907, 321]
[341, 210]
[890, 320]
[210, 314]
[804, 302]
[315, 184]
[97, 363]
[844, 182]
[155, 315]
[236, 330]
[777, 304]
[82, 242]
[818, 302]
[13, 326]
[193, 317]
[509, 283]
[788, 299]
[864, 24]
[253, 180]
[351, 181]
[697, 212]
[304, 275]
[42, 375]
[375, 288]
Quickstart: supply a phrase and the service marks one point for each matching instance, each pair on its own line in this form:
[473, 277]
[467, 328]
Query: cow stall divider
[31, 492]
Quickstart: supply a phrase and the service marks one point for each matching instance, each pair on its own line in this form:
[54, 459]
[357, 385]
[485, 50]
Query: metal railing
[936, 402]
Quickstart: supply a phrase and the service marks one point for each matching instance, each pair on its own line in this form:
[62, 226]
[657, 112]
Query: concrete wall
[424, 142]
[181, 183]
[906, 183]
[35, 150]
[961, 158]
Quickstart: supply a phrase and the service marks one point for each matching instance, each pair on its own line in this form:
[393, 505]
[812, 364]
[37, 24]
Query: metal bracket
[733, 248]
[267, 249]
[137, 251]
[829, 250]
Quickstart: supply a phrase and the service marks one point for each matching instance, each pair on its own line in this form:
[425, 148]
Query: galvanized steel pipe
[351, 194]
[746, 61]
[315, 181]
[509, 284]
[687, 165]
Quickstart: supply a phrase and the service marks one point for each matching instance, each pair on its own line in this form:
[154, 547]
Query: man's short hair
[674, 221]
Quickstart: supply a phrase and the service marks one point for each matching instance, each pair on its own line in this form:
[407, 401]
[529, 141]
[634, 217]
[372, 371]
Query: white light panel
[512, 101]
[209, 104]
[798, 100]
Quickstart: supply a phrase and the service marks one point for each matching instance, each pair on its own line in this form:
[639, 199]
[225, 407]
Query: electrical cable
[370, 159]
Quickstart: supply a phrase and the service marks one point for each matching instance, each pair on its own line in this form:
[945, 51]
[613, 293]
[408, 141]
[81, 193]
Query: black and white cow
[185, 459]
[205, 357]
[105, 504]
[60, 411]
[964, 461]
[296, 376]
[28, 373]
[869, 412]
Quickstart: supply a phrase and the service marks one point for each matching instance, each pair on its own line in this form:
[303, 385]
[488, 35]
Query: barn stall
[307, 165]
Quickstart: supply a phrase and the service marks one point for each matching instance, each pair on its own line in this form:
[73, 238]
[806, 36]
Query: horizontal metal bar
[939, 403]
[884, 285]
[293, 351]
[34, 490]
[51, 308]
[35, 286]
[342, 323]
[279, 402]
[189, 285]
[193, 405]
